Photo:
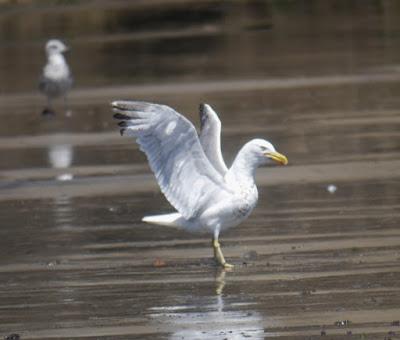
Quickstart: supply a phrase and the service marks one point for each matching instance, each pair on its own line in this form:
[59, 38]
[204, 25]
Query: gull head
[263, 152]
[55, 46]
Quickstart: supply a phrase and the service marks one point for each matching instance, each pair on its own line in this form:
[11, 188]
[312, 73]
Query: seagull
[190, 170]
[56, 79]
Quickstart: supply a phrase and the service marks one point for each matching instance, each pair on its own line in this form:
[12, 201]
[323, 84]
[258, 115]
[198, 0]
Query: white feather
[171, 220]
[210, 138]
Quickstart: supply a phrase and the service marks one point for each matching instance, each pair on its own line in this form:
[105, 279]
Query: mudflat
[319, 256]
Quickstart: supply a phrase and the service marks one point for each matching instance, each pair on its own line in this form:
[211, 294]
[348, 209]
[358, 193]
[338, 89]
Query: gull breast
[246, 201]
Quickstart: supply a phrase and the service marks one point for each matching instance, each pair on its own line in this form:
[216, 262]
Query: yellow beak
[277, 157]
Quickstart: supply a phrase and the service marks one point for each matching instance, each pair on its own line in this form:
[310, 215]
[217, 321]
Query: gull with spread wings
[190, 170]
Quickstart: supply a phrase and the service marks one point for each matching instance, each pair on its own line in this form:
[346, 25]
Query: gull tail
[169, 220]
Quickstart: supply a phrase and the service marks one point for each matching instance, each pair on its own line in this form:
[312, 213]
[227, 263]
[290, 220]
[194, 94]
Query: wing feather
[170, 142]
[210, 138]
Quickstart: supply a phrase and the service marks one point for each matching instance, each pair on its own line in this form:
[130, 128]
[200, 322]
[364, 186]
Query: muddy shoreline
[318, 257]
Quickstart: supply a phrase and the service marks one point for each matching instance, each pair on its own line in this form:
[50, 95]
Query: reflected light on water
[60, 157]
[63, 212]
[206, 317]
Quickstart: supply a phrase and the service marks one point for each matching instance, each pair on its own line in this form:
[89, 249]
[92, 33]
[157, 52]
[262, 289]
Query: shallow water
[320, 253]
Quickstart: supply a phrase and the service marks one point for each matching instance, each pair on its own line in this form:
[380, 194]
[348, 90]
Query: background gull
[56, 78]
[191, 172]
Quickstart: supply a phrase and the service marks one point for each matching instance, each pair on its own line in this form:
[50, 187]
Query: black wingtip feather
[121, 116]
[121, 132]
[122, 124]
[203, 115]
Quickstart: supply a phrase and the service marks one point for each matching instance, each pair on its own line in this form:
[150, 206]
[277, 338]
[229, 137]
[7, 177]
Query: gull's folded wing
[170, 141]
[210, 137]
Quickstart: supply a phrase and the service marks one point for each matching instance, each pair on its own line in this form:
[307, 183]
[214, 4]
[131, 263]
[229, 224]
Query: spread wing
[210, 138]
[170, 142]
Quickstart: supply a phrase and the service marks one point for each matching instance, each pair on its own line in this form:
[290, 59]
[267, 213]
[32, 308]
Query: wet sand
[319, 256]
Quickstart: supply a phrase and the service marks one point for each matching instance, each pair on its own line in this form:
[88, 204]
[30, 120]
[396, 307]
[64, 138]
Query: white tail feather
[170, 220]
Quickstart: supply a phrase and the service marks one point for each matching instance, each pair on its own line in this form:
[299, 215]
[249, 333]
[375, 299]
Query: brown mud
[318, 258]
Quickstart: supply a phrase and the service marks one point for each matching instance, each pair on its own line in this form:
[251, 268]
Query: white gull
[56, 79]
[190, 170]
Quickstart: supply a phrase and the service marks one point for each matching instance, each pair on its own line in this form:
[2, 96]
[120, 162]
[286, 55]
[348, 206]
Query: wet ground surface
[319, 256]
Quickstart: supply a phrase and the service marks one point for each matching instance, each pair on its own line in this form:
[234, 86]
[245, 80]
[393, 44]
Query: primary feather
[210, 137]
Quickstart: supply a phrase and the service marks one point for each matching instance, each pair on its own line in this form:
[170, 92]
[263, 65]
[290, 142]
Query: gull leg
[219, 257]
[48, 111]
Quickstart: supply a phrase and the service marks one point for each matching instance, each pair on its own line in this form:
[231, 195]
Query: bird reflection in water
[60, 157]
[217, 316]
[220, 281]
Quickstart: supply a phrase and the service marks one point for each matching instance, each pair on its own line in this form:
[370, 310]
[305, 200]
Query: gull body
[56, 79]
[190, 170]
